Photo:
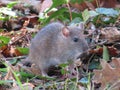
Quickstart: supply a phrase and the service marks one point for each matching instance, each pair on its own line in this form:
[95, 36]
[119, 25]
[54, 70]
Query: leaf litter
[99, 69]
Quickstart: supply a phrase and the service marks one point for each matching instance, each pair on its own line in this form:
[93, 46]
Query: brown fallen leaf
[32, 19]
[110, 33]
[93, 4]
[31, 69]
[84, 5]
[112, 51]
[108, 75]
[35, 3]
[9, 51]
[10, 75]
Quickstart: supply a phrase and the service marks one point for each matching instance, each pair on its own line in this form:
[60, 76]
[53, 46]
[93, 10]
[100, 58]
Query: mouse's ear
[65, 31]
[81, 26]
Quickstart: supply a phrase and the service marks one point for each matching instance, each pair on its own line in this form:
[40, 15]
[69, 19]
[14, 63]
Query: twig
[69, 11]
[17, 39]
[10, 58]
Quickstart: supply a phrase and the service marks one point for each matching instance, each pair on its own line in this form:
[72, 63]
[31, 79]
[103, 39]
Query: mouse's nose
[85, 53]
[85, 47]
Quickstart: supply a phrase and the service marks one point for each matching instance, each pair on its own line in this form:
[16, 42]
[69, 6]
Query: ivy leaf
[107, 11]
[4, 40]
[94, 65]
[85, 15]
[11, 4]
[84, 80]
[56, 14]
[23, 50]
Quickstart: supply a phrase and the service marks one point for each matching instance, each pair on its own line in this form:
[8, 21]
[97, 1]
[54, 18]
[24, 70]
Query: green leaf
[84, 80]
[77, 1]
[6, 81]
[85, 15]
[23, 50]
[14, 61]
[4, 39]
[107, 11]
[63, 71]
[11, 4]
[94, 65]
[74, 15]
[56, 14]
[63, 65]
[105, 54]
[93, 13]
[3, 69]
[3, 17]
[76, 20]
[25, 75]
[72, 86]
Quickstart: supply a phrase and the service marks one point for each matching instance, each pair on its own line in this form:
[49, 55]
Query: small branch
[10, 58]
[69, 11]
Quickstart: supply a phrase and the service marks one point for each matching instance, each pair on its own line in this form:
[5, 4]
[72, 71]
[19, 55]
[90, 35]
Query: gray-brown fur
[53, 46]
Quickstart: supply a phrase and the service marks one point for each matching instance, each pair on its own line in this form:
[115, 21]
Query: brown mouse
[55, 44]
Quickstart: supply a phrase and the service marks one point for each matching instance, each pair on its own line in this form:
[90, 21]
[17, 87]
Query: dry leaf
[108, 74]
[35, 3]
[9, 51]
[94, 4]
[110, 33]
[112, 51]
[10, 75]
[32, 19]
[33, 69]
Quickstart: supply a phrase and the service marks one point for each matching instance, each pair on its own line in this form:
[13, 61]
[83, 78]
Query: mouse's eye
[75, 39]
